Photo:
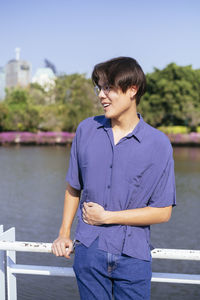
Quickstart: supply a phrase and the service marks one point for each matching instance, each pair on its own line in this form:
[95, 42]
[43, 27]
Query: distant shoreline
[63, 138]
[39, 138]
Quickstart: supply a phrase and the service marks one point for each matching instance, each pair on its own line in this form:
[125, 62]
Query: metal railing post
[2, 269]
[11, 259]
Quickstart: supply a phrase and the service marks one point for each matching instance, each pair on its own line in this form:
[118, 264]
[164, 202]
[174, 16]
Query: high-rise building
[2, 83]
[18, 72]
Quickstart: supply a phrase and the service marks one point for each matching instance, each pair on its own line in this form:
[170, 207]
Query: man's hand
[93, 213]
[59, 247]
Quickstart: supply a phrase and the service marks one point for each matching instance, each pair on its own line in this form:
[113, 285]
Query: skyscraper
[18, 72]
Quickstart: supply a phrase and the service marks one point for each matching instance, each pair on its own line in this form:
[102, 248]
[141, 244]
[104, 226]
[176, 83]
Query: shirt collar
[138, 131]
[104, 122]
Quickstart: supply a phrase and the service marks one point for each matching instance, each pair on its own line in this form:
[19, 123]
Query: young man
[125, 170]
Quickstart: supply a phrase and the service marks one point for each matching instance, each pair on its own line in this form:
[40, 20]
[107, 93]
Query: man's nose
[102, 94]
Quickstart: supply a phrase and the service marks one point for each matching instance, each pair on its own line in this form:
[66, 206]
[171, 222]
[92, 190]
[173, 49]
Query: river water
[32, 186]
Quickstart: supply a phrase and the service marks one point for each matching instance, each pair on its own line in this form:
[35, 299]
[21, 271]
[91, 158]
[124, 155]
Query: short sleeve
[164, 193]
[73, 176]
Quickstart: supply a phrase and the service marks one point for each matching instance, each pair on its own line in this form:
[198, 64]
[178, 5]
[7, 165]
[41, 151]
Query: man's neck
[125, 124]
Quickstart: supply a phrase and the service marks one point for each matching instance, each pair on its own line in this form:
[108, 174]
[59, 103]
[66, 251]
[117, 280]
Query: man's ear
[133, 91]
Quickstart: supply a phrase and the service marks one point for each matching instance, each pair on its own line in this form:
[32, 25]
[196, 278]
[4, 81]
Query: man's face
[116, 104]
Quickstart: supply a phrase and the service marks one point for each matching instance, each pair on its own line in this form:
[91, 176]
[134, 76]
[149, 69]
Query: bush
[174, 129]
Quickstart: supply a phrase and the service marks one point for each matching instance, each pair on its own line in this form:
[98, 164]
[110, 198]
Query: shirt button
[108, 186]
[111, 166]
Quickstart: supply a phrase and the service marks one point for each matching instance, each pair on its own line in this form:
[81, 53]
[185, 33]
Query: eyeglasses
[106, 89]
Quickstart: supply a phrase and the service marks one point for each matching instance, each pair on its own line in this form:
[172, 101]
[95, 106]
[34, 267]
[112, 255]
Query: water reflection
[187, 153]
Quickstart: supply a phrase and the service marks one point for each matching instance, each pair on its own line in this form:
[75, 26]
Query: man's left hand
[93, 213]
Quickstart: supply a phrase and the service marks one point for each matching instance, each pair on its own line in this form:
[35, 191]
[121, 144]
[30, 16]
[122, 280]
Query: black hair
[121, 72]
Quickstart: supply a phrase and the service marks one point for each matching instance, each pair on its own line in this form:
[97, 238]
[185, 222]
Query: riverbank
[39, 138]
[185, 139]
[62, 138]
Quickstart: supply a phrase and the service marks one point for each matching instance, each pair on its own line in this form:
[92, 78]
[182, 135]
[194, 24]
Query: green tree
[76, 94]
[3, 116]
[21, 114]
[172, 97]
[52, 117]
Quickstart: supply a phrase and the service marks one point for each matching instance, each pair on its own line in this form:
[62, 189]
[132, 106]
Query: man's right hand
[59, 247]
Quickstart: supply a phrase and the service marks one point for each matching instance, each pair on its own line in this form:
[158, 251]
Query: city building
[44, 77]
[2, 83]
[18, 72]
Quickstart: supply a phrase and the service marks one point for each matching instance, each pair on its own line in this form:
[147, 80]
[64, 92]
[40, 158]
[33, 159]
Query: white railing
[9, 268]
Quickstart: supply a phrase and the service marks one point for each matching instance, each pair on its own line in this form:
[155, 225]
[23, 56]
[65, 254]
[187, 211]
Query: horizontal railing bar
[42, 270]
[26, 246]
[175, 278]
[46, 248]
[68, 272]
[176, 254]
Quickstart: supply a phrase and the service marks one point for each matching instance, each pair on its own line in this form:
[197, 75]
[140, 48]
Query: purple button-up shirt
[136, 172]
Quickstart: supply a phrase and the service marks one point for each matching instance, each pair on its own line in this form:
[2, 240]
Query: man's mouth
[106, 104]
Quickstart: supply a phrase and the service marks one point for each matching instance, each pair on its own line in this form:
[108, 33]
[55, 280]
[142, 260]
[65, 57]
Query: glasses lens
[106, 89]
[97, 90]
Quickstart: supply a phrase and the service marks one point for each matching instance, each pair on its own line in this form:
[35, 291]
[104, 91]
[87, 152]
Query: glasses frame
[106, 89]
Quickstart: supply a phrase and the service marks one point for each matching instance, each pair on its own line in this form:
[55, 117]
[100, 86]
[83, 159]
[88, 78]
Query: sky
[77, 34]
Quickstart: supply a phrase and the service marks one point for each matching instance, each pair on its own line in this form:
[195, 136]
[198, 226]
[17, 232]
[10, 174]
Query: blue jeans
[100, 275]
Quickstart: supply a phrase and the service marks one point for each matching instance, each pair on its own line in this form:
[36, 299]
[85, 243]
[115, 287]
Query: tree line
[172, 98]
